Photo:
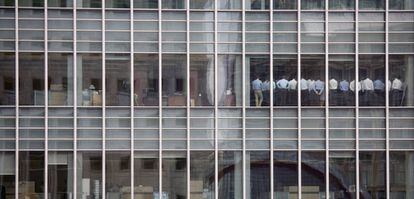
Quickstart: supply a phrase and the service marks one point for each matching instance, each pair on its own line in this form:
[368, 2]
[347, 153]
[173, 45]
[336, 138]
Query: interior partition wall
[206, 99]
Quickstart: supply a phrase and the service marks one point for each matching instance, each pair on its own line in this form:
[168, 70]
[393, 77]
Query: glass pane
[174, 172]
[201, 80]
[313, 174]
[401, 180]
[371, 4]
[89, 3]
[60, 81]
[146, 87]
[342, 4]
[202, 174]
[257, 80]
[60, 3]
[174, 80]
[7, 174]
[257, 174]
[285, 84]
[285, 174]
[283, 4]
[230, 4]
[341, 72]
[118, 174]
[257, 4]
[229, 80]
[31, 79]
[89, 179]
[31, 3]
[89, 77]
[7, 76]
[312, 83]
[145, 3]
[118, 85]
[372, 78]
[146, 168]
[313, 4]
[173, 4]
[201, 4]
[60, 175]
[401, 74]
[372, 174]
[401, 4]
[31, 174]
[7, 3]
[342, 175]
[117, 3]
[230, 179]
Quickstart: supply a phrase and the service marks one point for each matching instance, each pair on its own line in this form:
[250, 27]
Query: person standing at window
[257, 90]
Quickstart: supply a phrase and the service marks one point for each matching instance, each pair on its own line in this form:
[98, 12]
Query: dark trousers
[304, 97]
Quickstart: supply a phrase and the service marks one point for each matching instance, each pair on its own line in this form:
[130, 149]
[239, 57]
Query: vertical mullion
[75, 102]
[16, 82]
[356, 100]
[244, 98]
[299, 151]
[271, 99]
[187, 6]
[215, 103]
[132, 93]
[103, 103]
[387, 108]
[46, 104]
[326, 100]
[160, 99]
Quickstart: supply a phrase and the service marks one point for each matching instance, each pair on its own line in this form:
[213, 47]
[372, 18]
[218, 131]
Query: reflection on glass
[60, 175]
[283, 4]
[60, 81]
[146, 87]
[313, 174]
[201, 80]
[371, 4]
[401, 5]
[372, 174]
[229, 80]
[173, 4]
[118, 173]
[31, 174]
[174, 169]
[230, 4]
[313, 4]
[117, 3]
[285, 174]
[257, 4]
[89, 3]
[230, 179]
[201, 4]
[7, 175]
[371, 77]
[60, 3]
[31, 3]
[401, 74]
[146, 167]
[202, 174]
[341, 4]
[89, 171]
[7, 79]
[31, 79]
[312, 83]
[341, 73]
[258, 82]
[89, 79]
[118, 85]
[342, 175]
[7, 3]
[145, 3]
[258, 174]
[174, 80]
[285, 80]
[401, 175]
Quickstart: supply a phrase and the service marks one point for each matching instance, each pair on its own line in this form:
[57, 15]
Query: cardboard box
[176, 100]
[96, 99]
[57, 98]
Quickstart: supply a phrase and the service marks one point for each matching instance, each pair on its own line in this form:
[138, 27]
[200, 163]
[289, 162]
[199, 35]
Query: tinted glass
[258, 78]
[89, 79]
[174, 169]
[89, 170]
[31, 174]
[118, 173]
[146, 168]
[146, 88]
[7, 78]
[201, 80]
[285, 82]
[230, 174]
[60, 81]
[341, 73]
[60, 175]
[229, 80]
[202, 174]
[313, 174]
[401, 74]
[372, 174]
[342, 175]
[31, 79]
[174, 80]
[7, 174]
[118, 84]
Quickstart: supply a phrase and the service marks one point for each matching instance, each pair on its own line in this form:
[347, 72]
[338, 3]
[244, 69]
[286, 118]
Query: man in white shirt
[281, 94]
[333, 94]
[292, 92]
[257, 89]
[304, 91]
[396, 92]
[266, 92]
[367, 87]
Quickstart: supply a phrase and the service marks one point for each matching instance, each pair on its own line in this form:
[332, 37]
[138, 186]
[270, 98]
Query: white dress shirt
[396, 84]
[282, 84]
[303, 84]
[352, 86]
[367, 85]
[311, 84]
[333, 84]
[293, 84]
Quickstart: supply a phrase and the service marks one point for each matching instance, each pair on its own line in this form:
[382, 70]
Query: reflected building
[206, 99]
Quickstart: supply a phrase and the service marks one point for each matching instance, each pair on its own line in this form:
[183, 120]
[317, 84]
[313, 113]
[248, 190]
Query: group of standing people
[284, 92]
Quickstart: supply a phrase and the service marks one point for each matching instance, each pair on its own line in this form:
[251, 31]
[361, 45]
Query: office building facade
[204, 99]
